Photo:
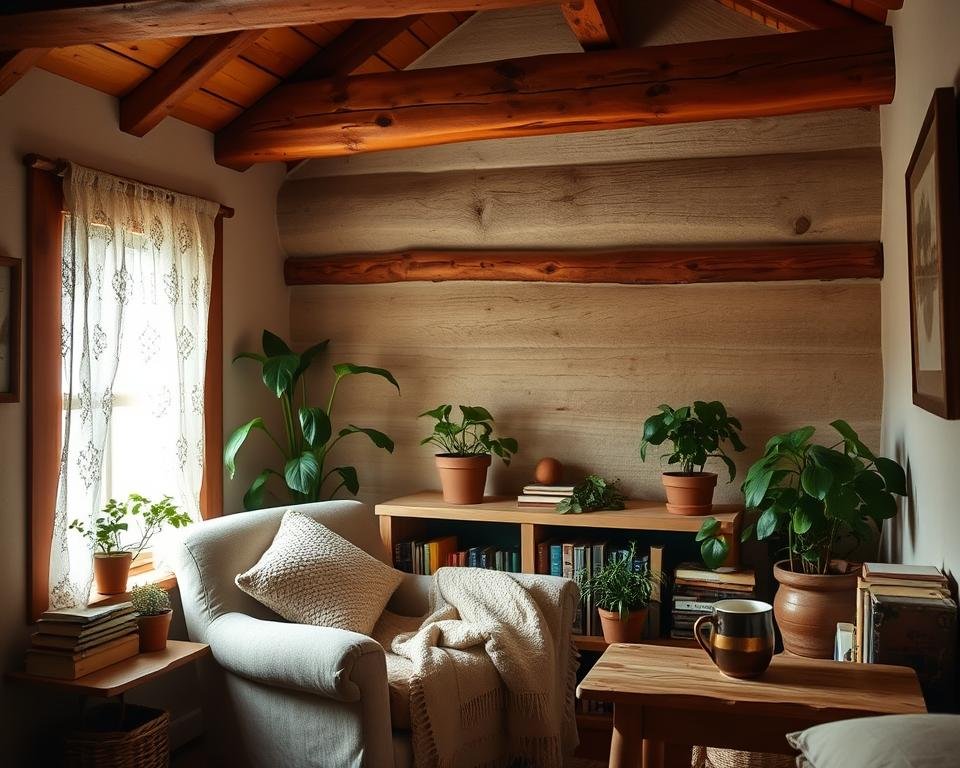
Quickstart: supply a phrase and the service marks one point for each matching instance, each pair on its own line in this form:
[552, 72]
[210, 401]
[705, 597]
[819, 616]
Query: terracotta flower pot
[808, 606]
[689, 493]
[616, 630]
[154, 631]
[462, 478]
[110, 572]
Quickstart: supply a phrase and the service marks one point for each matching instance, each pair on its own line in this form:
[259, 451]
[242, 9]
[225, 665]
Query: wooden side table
[677, 696]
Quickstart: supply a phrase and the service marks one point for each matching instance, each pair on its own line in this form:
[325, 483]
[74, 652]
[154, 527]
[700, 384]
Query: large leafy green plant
[616, 586]
[470, 436]
[815, 495]
[307, 430]
[109, 527]
[696, 434]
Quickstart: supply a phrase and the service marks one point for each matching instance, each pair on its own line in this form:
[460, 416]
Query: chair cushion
[310, 575]
[894, 741]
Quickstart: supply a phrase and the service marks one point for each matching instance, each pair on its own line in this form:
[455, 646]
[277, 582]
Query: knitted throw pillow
[310, 575]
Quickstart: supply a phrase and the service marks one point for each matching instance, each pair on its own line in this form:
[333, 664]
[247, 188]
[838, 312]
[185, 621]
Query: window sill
[162, 578]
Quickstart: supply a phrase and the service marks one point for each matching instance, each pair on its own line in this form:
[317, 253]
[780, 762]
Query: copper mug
[741, 637]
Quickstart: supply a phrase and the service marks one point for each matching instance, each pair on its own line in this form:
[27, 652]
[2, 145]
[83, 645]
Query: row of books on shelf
[570, 558]
[905, 616]
[696, 588]
[73, 642]
[425, 557]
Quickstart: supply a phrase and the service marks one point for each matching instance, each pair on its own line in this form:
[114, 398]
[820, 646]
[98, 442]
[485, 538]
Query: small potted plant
[466, 447]
[818, 498]
[593, 494]
[111, 558]
[622, 596]
[152, 605]
[697, 433]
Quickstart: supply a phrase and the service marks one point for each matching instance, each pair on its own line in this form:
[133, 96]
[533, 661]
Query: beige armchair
[282, 694]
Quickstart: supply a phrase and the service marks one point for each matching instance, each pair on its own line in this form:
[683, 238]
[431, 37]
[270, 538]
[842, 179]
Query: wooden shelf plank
[633, 266]
[639, 515]
[598, 644]
[124, 675]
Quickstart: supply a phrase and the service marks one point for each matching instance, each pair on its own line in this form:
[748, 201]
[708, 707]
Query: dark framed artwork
[933, 239]
[10, 293]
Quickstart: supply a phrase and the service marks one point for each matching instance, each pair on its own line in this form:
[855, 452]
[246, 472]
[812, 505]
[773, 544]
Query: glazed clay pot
[617, 631]
[154, 631]
[110, 572]
[689, 493]
[462, 478]
[808, 606]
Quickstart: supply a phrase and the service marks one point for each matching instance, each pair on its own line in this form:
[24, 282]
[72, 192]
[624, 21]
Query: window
[134, 405]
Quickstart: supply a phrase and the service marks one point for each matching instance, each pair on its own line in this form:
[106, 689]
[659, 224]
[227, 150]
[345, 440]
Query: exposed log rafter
[639, 266]
[597, 23]
[349, 50]
[187, 70]
[798, 15]
[78, 22]
[566, 93]
[15, 64]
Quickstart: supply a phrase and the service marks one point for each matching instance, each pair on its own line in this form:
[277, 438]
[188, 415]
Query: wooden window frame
[45, 210]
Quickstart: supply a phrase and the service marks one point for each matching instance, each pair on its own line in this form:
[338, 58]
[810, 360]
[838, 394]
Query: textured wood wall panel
[572, 371]
[831, 196]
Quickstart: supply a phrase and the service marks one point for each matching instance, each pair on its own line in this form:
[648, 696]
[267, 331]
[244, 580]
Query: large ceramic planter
[110, 572]
[154, 631]
[462, 478]
[689, 493]
[616, 630]
[809, 606]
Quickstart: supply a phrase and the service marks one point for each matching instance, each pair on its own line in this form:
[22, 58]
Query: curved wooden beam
[636, 266]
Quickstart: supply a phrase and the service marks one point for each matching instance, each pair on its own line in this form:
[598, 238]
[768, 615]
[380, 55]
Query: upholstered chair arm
[324, 661]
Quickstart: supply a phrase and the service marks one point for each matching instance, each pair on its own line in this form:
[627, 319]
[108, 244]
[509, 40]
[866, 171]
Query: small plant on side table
[107, 531]
[697, 433]
[621, 595]
[153, 606]
[593, 494]
[466, 447]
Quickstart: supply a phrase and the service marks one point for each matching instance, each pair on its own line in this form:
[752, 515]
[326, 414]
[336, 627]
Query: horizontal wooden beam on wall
[566, 93]
[637, 266]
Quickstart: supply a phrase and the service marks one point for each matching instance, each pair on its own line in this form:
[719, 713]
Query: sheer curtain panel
[136, 278]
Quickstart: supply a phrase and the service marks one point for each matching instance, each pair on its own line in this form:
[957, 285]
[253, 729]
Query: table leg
[652, 754]
[626, 743]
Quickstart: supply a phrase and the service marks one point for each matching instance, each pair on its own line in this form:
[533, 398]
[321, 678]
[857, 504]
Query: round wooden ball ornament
[548, 471]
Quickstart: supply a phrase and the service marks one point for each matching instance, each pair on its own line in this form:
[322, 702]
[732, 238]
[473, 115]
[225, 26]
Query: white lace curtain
[135, 298]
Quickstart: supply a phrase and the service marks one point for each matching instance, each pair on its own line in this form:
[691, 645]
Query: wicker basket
[118, 736]
[711, 757]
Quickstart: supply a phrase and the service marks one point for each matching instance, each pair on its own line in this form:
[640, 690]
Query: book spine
[697, 606]
[556, 560]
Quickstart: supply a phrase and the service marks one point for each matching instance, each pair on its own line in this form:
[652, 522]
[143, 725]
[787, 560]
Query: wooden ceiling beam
[188, 69]
[597, 24]
[15, 64]
[632, 266]
[797, 15]
[76, 22]
[566, 93]
[347, 51]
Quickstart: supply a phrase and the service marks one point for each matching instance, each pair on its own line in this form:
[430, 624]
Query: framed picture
[933, 240]
[10, 286]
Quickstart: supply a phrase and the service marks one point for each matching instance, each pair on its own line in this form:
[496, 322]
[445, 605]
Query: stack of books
[74, 642]
[538, 495]
[696, 588]
[906, 617]
[425, 557]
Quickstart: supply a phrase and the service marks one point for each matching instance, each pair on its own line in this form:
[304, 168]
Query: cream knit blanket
[494, 672]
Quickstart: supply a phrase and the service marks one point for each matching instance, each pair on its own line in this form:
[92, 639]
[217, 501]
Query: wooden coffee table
[676, 696]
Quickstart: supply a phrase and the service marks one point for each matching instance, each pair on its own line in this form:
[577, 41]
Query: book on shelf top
[65, 667]
[931, 573]
[701, 573]
[544, 501]
[87, 615]
[72, 629]
[42, 639]
[535, 489]
[82, 653]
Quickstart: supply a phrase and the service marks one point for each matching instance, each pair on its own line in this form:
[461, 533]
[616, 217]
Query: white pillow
[310, 575]
[892, 741]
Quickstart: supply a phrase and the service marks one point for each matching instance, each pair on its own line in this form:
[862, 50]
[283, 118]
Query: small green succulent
[149, 600]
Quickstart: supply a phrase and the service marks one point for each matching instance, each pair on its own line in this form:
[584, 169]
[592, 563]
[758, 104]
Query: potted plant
[152, 605]
[308, 436]
[593, 494]
[621, 596]
[818, 497]
[111, 558]
[466, 447]
[696, 433]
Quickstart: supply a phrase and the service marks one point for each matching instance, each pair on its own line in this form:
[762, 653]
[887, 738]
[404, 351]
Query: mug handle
[702, 622]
